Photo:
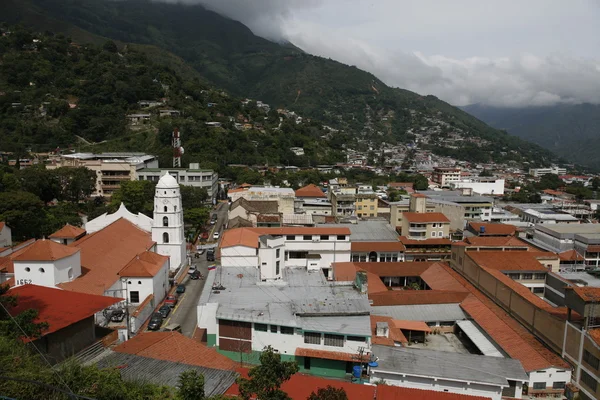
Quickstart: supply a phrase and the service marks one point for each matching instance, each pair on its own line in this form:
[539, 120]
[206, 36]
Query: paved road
[185, 313]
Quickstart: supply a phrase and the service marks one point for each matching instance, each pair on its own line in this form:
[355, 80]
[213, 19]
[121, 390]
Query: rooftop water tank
[482, 229]
[357, 371]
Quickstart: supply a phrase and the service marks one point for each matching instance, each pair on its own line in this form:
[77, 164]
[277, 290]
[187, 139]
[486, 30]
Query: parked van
[173, 328]
[210, 255]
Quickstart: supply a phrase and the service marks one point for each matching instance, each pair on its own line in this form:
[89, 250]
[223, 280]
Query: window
[312, 338]
[290, 237]
[341, 237]
[277, 268]
[371, 215]
[277, 253]
[354, 258]
[527, 276]
[514, 276]
[539, 276]
[165, 237]
[298, 254]
[260, 327]
[539, 385]
[165, 208]
[372, 207]
[334, 340]
[591, 360]
[359, 207]
[307, 237]
[559, 385]
[165, 221]
[42, 270]
[324, 237]
[273, 328]
[433, 234]
[355, 338]
[306, 362]
[134, 296]
[538, 290]
[589, 381]
[286, 330]
[175, 208]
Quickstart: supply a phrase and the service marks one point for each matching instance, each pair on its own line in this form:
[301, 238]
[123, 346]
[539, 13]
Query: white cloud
[496, 52]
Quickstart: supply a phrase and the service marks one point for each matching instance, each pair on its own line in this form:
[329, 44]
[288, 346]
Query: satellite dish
[181, 151]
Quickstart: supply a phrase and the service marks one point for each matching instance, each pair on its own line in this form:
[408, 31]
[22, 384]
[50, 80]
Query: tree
[393, 195]
[549, 181]
[138, 196]
[40, 181]
[328, 393]
[76, 184]
[420, 182]
[22, 324]
[191, 385]
[265, 380]
[110, 46]
[196, 217]
[60, 215]
[193, 197]
[24, 213]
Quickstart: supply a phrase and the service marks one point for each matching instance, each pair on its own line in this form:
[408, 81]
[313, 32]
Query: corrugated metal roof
[136, 368]
[479, 339]
[422, 312]
[440, 364]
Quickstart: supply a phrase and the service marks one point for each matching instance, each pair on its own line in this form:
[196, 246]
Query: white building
[167, 228]
[445, 176]
[537, 172]
[192, 176]
[140, 220]
[284, 196]
[5, 235]
[271, 249]
[481, 185]
[547, 216]
[468, 374]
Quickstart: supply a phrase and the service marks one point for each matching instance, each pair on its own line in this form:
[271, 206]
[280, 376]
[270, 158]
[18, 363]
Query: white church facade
[116, 254]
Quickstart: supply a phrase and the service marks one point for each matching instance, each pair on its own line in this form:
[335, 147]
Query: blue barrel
[357, 371]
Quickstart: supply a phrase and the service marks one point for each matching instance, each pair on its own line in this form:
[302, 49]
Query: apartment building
[344, 204]
[477, 208]
[366, 205]
[562, 237]
[420, 203]
[445, 176]
[481, 185]
[537, 172]
[192, 176]
[111, 168]
[588, 245]
[419, 226]
[285, 197]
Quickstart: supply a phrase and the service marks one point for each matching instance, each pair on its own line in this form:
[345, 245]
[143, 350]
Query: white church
[119, 254]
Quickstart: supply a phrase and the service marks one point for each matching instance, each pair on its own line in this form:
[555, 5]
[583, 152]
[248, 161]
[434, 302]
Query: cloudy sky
[497, 52]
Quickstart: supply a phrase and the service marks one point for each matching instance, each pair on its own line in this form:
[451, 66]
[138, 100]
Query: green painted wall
[247, 358]
[322, 367]
[211, 340]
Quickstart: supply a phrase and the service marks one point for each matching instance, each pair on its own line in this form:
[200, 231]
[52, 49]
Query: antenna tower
[177, 149]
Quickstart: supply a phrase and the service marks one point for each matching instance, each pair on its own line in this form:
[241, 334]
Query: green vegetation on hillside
[228, 55]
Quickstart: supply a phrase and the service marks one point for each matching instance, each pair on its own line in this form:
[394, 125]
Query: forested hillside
[228, 55]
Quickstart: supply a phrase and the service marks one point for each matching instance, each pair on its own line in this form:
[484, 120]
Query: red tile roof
[493, 229]
[570, 255]
[417, 195]
[2, 224]
[437, 279]
[424, 217]
[58, 308]
[387, 392]
[412, 297]
[364, 247]
[344, 271]
[425, 242]
[104, 253]
[394, 333]
[175, 347]
[248, 237]
[68, 232]
[144, 265]
[329, 355]
[45, 250]
[6, 263]
[412, 325]
[586, 293]
[310, 191]
[496, 241]
[510, 260]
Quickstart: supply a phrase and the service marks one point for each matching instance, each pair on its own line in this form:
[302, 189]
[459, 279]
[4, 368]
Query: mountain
[571, 131]
[228, 55]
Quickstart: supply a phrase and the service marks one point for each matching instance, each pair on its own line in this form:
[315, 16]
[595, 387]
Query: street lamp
[124, 281]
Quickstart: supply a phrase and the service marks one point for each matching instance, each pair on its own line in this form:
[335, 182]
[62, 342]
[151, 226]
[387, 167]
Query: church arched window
[165, 208]
[165, 237]
[165, 221]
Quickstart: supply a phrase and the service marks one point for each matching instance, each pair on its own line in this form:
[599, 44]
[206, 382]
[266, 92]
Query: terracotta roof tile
[496, 241]
[437, 279]
[144, 265]
[175, 347]
[375, 285]
[411, 325]
[68, 232]
[493, 229]
[58, 308]
[344, 271]
[424, 217]
[395, 246]
[45, 250]
[570, 255]
[268, 218]
[385, 392]
[6, 263]
[510, 260]
[412, 297]
[394, 333]
[328, 355]
[104, 253]
[418, 195]
[587, 293]
[310, 191]
[425, 242]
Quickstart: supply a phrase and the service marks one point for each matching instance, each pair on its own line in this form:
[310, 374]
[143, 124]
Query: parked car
[155, 322]
[192, 269]
[180, 289]
[204, 236]
[171, 300]
[210, 255]
[164, 311]
[195, 275]
[216, 235]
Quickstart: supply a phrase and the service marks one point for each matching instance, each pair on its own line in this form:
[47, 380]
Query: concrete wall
[5, 237]
[68, 341]
[239, 256]
[54, 272]
[577, 342]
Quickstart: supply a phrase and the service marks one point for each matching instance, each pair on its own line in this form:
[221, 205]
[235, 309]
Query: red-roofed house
[310, 192]
[491, 229]
[67, 234]
[428, 225]
[69, 315]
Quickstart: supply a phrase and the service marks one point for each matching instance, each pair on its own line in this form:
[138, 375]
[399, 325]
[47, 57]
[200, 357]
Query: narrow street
[185, 313]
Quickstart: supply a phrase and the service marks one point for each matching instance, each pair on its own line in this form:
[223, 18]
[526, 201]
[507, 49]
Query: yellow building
[421, 226]
[366, 205]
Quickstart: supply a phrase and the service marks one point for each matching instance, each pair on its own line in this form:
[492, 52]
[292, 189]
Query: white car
[216, 235]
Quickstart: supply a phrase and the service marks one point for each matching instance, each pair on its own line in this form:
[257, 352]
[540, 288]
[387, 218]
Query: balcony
[116, 177]
[417, 228]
